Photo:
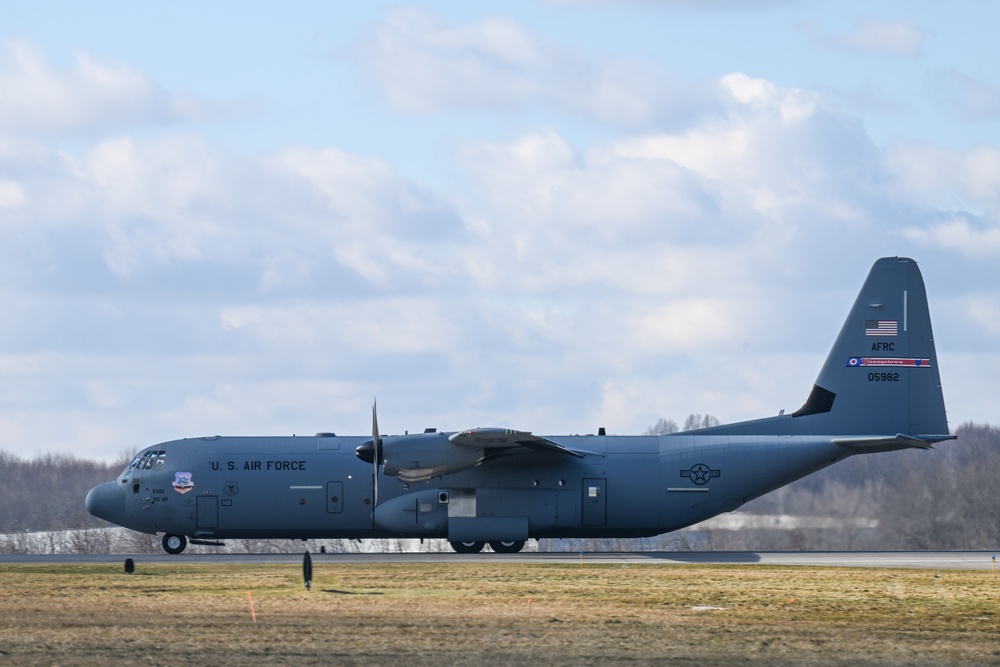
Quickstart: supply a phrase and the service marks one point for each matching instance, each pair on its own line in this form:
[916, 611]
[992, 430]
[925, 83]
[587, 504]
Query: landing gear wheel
[174, 544]
[511, 547]
[467, 547]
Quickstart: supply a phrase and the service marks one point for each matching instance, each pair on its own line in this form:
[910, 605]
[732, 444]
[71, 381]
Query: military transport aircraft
[878, 391]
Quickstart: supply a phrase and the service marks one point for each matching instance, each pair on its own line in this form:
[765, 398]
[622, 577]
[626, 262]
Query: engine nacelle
[419, 458]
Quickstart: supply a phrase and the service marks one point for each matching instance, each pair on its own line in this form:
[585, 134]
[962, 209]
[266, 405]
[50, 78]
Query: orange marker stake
[253, 612]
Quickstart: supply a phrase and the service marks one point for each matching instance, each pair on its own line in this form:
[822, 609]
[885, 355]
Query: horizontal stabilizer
[898, 441]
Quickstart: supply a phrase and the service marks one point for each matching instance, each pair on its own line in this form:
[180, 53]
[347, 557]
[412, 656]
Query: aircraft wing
[490, 438]
[418, 458]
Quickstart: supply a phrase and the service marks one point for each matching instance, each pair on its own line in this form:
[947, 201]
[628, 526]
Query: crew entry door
[208, 512]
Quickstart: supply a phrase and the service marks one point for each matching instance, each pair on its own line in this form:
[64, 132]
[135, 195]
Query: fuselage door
[208, 512]
[595, 502]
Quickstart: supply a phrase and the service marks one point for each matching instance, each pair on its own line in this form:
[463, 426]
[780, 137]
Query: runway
[931, 560]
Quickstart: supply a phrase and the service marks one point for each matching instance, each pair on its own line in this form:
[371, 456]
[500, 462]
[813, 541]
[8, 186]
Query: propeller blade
[377, 447]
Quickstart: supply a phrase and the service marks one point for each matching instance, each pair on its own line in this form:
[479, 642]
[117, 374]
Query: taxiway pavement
[933, 560]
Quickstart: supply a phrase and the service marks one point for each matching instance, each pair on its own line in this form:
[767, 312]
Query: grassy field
[495, 613]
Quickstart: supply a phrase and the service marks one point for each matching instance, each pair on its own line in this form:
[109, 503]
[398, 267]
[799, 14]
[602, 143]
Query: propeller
[376, 450]
[371, 451]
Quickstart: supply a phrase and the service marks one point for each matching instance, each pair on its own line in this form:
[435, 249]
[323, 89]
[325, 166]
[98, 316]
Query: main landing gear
[510, 547]
[174, 544]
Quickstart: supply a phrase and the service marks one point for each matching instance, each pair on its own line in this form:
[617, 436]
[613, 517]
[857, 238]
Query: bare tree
[694, 421]
[662, 427]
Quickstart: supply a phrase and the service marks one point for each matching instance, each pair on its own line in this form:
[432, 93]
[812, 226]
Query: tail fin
[881, 377]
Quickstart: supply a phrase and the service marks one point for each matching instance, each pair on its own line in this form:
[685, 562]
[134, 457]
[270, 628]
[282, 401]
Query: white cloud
[603, 197]
[970, 98]
[960, 235]
[985, 312]
[873, 37]
[685, 324]
[91, 94]
[658, 212]
[177, 205]
[12, 194]
[389, 326]
[945, 179]
[423, 64]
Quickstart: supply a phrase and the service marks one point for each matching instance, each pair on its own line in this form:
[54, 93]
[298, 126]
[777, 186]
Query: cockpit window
[152, 460]
[132, 465]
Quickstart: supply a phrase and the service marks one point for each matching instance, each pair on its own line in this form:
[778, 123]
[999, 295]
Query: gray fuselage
[316, 487]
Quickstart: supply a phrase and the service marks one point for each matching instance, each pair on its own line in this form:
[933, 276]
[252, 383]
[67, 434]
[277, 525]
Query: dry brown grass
[495, 613]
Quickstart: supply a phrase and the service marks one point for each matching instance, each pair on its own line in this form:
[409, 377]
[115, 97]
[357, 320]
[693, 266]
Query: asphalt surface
[932, 560]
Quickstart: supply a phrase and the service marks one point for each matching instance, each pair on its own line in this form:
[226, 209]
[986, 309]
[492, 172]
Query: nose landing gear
[174, 544]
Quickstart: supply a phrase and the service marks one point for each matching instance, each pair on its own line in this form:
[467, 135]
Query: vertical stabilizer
[881, 377]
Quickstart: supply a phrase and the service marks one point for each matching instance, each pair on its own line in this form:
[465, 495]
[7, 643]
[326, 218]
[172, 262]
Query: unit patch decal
[182, 482]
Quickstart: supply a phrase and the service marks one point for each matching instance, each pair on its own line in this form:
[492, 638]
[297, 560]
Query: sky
[248, 218]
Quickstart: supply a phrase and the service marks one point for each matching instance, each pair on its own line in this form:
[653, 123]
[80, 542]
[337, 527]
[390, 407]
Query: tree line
[912, 499]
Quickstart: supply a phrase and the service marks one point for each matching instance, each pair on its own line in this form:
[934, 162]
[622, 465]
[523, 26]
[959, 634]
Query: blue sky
[242, 218]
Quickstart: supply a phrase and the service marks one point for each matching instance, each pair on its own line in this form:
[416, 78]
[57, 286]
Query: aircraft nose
[107, 501]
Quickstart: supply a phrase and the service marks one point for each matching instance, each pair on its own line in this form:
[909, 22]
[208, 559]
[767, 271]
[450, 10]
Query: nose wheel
[174, 544]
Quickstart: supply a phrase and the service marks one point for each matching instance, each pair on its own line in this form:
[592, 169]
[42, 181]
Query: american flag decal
[881, 327]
